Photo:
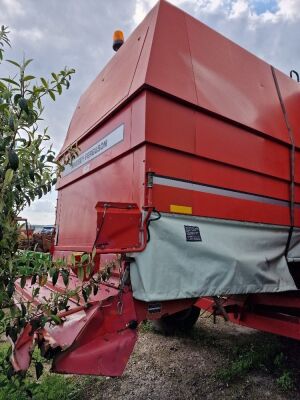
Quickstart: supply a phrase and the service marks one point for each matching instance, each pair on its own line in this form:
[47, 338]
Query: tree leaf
[33, 279]
[27, 62]
[55, 319]
[55, 277]
[80, 273]
[14, 63]
[65, 275]
[51, 94]
[10, 289]
[23, 281]
[10, 81]
[23, 309]
[44, 82]
[84, 258]
[95, 289]
[8, 177]
[28, 78]
[59, 88]
[39, 368]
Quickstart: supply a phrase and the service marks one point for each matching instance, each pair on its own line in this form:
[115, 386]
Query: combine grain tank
[188, 177]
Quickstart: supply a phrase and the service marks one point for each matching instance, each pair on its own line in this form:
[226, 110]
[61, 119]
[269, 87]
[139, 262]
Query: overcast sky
[78, 33]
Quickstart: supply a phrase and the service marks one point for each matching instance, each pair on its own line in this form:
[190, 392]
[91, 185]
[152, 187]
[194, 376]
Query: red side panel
[233, 82]
[290, 93]
[189, 145]
[170, 66]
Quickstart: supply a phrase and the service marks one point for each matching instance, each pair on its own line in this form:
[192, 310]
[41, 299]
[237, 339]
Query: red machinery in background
[188, 181]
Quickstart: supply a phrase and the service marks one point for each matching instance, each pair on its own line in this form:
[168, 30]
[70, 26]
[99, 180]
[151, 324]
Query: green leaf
[14, 63]
[13, 159]
[51, 94]
[23, 104]
[84, 294]
[28, 78]
[27, 62]
[95, 289]
[73, 260]
[84, 258]
[10, 81]
[8, 177]
[27, 199]
[33, 279]
[44, 82]
[39, 192]
[65, 275]
[55, 319]
[17, 97]
[55, 277]
[39, 369]
[31, 175]
[59, 88]
[11, 123]
[23, 282]
[80, 273]
[10, 289]
[23, 309]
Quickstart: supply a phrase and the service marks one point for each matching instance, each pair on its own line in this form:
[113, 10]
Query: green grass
[264, 354]
[48, 387]
[146, 326]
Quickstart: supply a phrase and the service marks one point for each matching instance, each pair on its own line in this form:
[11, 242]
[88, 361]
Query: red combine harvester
[188, 179]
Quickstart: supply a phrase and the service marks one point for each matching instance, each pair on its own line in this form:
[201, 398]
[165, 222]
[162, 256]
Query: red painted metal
[278, 314]
[195, 107]
[120, 228]
[94, 339]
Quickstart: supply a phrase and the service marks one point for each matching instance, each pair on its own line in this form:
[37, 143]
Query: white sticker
[110, 140]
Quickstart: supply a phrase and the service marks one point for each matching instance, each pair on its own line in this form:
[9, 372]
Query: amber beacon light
[118, 40]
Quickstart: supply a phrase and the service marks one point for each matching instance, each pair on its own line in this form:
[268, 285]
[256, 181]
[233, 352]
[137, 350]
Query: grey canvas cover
[294, 248]
[190, 256]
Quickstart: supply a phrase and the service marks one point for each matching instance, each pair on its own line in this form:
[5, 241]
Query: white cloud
[142, 7]
[11, 7]
[289, 9]
[35, 34]
[239, 8]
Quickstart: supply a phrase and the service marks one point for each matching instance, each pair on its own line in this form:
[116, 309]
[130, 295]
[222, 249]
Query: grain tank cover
[174, 53]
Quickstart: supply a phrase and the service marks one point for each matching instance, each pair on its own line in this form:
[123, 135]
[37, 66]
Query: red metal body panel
[241, 144]
[217, 206]
[217, 124]
[278, 314]
[232, 82]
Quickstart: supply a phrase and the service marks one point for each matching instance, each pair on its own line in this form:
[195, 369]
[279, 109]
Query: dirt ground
[215, 361]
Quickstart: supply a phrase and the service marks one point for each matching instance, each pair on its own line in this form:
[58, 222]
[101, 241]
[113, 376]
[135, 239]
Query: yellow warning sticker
[181, 209]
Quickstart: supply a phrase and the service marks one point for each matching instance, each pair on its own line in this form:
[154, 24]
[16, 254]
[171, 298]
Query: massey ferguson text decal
[98, 148]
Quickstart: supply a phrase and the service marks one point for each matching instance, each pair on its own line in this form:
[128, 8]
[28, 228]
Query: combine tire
[183, 321]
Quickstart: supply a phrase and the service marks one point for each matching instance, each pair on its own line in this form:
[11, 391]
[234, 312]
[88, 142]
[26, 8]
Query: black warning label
[192, 233]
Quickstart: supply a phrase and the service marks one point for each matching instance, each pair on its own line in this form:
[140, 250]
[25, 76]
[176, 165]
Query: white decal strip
[197, 187]
[110, 140]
